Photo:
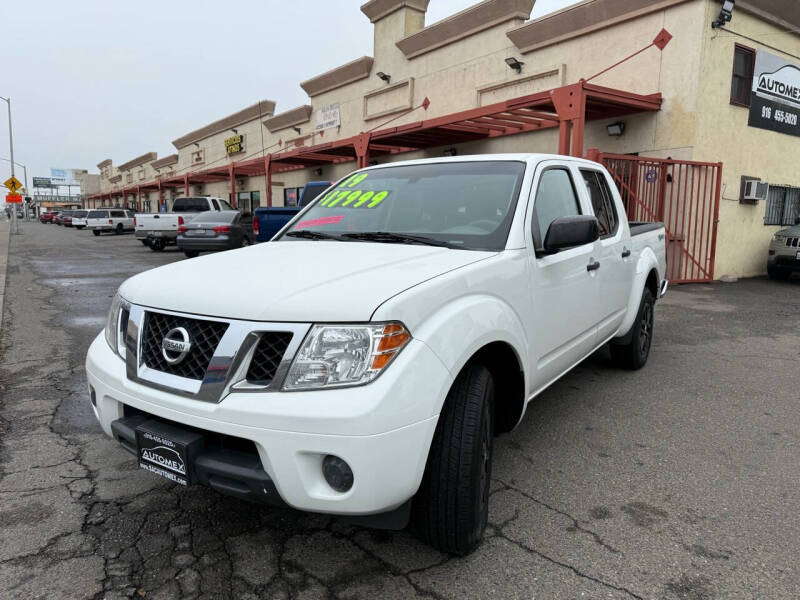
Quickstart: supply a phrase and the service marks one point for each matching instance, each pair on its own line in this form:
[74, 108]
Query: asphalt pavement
[676, 481]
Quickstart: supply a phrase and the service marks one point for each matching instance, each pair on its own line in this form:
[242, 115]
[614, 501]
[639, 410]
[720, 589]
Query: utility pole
[14, 225]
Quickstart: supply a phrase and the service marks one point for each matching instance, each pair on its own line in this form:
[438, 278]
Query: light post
[14, 226]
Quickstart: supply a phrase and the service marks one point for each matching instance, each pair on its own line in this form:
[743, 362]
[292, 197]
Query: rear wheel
[633, 354]
[451, 508]
[157, 245]
[96, 231]
[778, 274]
[245, 241]
[145, 242]
[118, 229]
[191, 253]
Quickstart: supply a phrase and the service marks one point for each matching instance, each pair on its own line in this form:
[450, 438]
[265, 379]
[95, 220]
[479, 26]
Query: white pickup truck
[159, 230]
[362, 362]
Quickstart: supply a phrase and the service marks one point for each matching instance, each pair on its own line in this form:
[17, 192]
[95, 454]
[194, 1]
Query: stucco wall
[723, 134]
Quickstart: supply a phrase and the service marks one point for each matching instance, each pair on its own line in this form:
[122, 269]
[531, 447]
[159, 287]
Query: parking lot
[676, 481]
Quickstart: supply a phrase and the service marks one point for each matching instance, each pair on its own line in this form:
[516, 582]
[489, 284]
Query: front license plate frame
[167, 451]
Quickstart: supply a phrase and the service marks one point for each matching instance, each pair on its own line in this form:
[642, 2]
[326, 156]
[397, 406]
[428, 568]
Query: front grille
[204, 336]
[792, 242]
[267, 356]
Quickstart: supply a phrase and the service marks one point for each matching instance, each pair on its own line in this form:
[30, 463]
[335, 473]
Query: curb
[5, 229]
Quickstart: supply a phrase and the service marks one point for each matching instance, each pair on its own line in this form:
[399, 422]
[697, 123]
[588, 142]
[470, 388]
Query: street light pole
[14, 226]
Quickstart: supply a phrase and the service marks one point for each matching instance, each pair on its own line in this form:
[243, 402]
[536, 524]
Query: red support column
[232, 177]
[362, 149]
[579, 123]
[186, 185]
[138, 199]
[160, 196]
[268, 177]
[564, 130]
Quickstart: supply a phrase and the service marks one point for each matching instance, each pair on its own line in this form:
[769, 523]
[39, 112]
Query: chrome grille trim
[228, 367]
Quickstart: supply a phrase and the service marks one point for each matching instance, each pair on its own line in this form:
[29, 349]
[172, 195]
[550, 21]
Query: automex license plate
[167, 451]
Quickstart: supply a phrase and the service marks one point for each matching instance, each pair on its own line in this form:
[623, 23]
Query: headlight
[778, 238]
[117, 324]
[345, 355]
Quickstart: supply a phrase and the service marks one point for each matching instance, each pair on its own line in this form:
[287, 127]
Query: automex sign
[775, 99]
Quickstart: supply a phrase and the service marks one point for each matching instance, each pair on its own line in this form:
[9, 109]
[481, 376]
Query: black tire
[118, 229]
[778, 274]
[96, 231]
[145, 242]
[157, 245]
[245, 241]
[191, 253]
[451, 508]
[633, 354]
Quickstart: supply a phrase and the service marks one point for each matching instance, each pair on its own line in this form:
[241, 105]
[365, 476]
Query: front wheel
[96, 231]
[633, 354]
[451, 508]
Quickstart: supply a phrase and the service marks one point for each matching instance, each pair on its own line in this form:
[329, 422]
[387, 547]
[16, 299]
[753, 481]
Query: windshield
[97, 214]
[466, 205]
[214, 216]
[79, 214]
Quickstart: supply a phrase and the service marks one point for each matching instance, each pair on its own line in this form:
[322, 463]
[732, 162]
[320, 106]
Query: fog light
[337, 473]
[92, 396]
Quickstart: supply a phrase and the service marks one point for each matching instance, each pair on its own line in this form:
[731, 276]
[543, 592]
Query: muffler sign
[775, 98]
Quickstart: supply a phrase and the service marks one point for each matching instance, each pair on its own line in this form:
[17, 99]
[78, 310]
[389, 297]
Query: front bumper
[294, 431]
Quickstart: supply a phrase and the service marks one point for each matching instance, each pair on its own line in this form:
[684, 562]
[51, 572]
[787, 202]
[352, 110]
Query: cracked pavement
[677, 481]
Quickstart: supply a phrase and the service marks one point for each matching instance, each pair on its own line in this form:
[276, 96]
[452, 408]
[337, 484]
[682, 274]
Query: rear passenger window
[555, 198]
[117, 214]
[602, 202]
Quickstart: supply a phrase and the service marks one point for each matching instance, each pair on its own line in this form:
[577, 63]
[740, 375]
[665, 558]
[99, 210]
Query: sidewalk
[5, 228]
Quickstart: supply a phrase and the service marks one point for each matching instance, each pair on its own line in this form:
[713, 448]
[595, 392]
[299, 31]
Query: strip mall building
[673, 120]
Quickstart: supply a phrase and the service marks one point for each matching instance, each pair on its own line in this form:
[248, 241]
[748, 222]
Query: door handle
[593, 266]
[625, 253]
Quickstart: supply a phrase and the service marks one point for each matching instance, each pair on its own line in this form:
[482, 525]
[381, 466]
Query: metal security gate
[684, 195]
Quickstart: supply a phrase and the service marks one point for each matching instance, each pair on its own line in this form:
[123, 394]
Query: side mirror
[568, 232]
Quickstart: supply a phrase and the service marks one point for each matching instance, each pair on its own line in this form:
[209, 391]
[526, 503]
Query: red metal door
[682, 194]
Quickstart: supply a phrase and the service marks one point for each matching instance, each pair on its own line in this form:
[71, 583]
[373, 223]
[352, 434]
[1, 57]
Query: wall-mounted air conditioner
[755, 190]
[752, 190]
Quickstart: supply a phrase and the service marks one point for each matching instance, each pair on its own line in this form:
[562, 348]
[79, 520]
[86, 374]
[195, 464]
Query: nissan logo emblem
[175, 345]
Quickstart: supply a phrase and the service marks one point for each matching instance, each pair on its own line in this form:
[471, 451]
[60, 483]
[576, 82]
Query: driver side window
[555, 197]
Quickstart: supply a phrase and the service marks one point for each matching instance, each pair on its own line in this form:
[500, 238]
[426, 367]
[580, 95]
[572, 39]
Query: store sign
[328, 117]
[234, 144]
[775, 99]
[43, 182]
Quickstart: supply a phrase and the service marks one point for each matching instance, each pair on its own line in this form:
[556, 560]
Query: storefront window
[742, 81]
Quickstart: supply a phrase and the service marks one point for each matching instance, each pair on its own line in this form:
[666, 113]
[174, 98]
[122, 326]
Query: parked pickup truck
[159, 230]
[362, 362]
[267, 221]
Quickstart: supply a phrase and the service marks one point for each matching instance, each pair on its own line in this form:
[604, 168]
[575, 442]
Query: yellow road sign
[13, 184]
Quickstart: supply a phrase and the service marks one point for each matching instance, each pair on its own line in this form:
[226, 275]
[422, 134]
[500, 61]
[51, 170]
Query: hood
[304, 281]
[793, 231]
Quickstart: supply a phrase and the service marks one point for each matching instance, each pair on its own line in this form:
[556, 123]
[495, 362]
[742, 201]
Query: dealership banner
[43, 182]
[328, 117]
[775, 99]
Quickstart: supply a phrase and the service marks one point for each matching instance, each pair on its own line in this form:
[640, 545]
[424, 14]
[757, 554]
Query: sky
[95, 79]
